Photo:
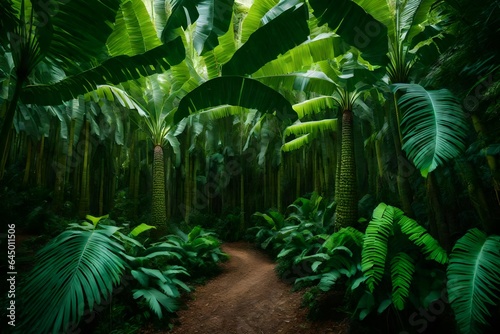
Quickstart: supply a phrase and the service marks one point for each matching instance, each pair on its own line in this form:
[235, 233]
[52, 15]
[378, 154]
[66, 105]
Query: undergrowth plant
[80, 268]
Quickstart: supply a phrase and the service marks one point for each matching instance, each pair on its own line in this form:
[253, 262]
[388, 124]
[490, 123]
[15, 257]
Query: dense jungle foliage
[358, 142]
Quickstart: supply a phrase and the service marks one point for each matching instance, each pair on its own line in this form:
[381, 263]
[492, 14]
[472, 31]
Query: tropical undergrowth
[392, 275]
[100, 277]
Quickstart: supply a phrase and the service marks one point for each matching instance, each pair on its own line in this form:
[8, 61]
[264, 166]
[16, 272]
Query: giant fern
[389, 240]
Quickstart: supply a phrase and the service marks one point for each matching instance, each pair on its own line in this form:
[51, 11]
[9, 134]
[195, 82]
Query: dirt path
[248, 298]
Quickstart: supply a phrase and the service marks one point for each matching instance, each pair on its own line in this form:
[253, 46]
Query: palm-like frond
[402, 269]
[76, 269]
[375, 245]
[474, 279]
[434, 127]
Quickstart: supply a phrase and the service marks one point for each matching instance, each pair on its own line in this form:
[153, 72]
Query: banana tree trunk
[347, 212]
[158, 203]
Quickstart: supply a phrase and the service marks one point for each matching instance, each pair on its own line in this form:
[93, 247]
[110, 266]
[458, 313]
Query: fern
[391, 229]
[375, 246]
[402, 269]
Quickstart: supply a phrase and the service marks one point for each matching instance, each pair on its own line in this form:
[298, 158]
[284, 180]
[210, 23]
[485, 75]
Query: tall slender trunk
[84, 204]
[5, 134]
[158, 208]
[169, 186]
[27, 169]
[404, 166]
[101, 188]
[347, 208]
[436, 215]
[39, 164]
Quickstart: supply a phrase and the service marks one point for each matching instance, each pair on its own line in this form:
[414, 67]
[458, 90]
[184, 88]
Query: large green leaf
[114, 70]
[375, 245]
[213, 21]
[238, 91]
[284, 32]
[355, 26]
[322, 47]
[314, 105]
[306, 132]
[252, 20]
[433, 125]
[474, 280]
[66, 34]
[75, 270]
[182, 14]
[134, 33]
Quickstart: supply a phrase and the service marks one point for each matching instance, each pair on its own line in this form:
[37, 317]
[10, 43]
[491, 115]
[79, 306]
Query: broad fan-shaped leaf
[474, 279]
[402, 269]
[236, 91]
[433, 125]
[76, 270]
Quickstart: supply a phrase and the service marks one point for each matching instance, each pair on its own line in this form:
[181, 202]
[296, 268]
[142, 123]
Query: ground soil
[247, 298]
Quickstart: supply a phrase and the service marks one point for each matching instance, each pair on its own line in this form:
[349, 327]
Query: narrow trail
[247, 298]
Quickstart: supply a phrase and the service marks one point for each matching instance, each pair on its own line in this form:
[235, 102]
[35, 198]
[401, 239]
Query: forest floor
[247, 298]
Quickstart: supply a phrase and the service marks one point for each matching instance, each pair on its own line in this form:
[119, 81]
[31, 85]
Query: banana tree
[34, 33]
[403, 32]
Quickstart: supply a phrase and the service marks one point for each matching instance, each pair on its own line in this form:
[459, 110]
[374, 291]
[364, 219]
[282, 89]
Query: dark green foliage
[64, 282]
[238, 91]
[357, 28]
[474, 280]
[279, 35]
[80, 269]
